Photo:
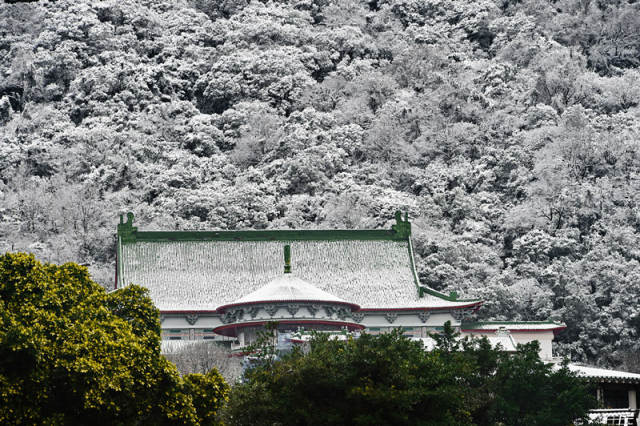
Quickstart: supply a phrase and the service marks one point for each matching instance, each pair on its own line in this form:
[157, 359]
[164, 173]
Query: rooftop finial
[126, 230]
[287, 259]
[402, 227]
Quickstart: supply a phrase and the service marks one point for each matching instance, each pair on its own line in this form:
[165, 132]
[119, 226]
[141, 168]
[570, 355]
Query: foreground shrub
[72, 354]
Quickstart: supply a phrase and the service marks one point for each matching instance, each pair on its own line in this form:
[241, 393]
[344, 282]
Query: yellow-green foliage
[72, 354]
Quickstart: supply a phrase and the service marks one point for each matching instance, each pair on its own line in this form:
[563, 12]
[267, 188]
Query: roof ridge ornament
[502, 331]
[126, 230]
[402, 227]
[287, 259]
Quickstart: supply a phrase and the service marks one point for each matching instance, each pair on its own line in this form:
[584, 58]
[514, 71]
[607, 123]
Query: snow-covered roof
[202, 270]
[601, 374]
[517, 326]
[288, 288]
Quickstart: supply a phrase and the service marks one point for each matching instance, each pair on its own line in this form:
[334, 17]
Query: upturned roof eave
[421, 289]
[449, 298]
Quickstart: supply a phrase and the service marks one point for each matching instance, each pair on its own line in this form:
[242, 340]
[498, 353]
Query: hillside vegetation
[509, 129]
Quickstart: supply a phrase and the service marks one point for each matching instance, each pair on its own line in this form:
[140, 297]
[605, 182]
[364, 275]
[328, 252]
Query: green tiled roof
[201, 270]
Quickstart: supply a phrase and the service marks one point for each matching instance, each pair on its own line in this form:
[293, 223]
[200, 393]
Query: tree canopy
[71, 353]
[388, 379]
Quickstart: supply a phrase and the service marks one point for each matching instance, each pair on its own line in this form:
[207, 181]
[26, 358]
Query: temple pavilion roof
[288, 288]
[602, 375]
[204, 270]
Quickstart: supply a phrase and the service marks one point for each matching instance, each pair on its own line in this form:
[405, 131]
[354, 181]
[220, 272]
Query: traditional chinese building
[226, 285]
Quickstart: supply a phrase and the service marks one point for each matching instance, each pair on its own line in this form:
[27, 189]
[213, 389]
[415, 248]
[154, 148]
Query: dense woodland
[508, 129]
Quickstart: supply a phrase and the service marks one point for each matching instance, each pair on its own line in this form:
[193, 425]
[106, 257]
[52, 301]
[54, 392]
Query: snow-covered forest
[508, 129]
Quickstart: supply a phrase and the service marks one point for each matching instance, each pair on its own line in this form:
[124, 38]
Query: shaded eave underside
[223, 308]
[231, 329]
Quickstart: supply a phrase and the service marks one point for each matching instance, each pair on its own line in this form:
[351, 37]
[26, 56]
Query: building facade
[226, 285]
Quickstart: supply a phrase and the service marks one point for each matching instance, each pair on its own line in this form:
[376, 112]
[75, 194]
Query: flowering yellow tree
[72, 354]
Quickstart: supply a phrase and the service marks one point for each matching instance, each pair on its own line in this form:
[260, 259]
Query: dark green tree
[530, 392]
[391, 380]
[504, 388]
[382, 380]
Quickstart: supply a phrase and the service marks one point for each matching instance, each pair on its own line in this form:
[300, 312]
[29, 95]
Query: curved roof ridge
[288, 288]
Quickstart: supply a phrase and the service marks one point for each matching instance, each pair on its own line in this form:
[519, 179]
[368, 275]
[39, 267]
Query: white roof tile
[606, 375]
[288, 287]
[203, 275]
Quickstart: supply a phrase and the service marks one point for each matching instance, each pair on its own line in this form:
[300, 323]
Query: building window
[615, 396]
[175, 338]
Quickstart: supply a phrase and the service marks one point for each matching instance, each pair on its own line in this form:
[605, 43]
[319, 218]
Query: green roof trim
[119, 272]
[399, 232]
[452, 297]
[267, 235]
[405, 226]
[414, 272]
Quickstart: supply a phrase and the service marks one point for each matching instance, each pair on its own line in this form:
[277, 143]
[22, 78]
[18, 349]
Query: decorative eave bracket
[126, 230]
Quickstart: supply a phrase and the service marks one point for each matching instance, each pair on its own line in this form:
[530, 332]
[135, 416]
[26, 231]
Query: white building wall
[404, 319]
[544, 337]
[176, 326]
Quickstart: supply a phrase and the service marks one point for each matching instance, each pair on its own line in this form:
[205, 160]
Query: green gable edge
[400, 231]
[452, 297]
[127, 233]
[266, 235]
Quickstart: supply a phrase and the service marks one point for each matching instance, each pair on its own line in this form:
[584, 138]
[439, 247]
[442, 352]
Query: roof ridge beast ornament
[126, 230]
[402, 227]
